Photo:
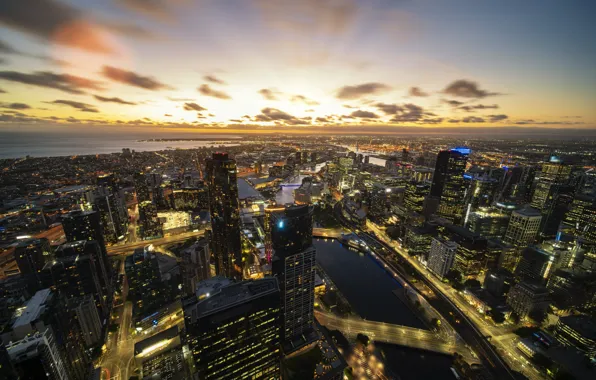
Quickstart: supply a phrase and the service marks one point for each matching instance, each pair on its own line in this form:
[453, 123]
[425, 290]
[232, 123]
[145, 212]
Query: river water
[369, 290]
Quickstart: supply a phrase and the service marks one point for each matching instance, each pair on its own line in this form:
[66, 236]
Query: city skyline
[296, 66]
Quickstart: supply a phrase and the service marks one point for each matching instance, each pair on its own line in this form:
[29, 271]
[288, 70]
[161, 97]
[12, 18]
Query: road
[504, 354]
[394, 334]
[465, 328]
[127, 249]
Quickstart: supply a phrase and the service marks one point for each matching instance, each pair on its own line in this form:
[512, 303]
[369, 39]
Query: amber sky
[297, 63]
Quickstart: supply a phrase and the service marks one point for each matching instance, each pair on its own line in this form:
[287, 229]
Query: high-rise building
[234, 333]
[579, 332]
[31, 255]
[488, 223]
[114, 221]
[37, 357]
[294, 266]
[142, 187]
[415, 193]
[88, 319]
[151, 226]
[581, 217]
[378, 201]
[225, 215]
[449, 185]
[528, 299]
[269, 211]
[480, 195]
[195, 265]
[535, 264]
[7, 371]
[441, 256]
[523, 227]
[191, 199]
[554, 172]
[517, 184]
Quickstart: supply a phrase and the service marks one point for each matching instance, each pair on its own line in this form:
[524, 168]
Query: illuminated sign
[555, 159]
[280, 224]
[462, 150]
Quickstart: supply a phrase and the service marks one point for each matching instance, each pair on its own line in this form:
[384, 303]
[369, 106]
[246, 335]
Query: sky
[307, 64]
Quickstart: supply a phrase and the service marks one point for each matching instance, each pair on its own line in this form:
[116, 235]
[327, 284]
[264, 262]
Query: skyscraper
[523, 227]
[441, 256]
[414, 196]
[234, 333]
[226, 249]
[113, 221]
[294, 266]
[141, 187]
[195, 265]
[554, 172]
[449, 185]
[31, 255]
[151, 226]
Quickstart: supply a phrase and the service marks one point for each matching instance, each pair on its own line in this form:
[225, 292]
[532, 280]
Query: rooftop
[583, 324]
[34, 308]
[234, 294]
[528, 211]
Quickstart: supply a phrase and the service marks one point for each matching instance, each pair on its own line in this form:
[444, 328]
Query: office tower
[378, 200]
[441, 256]
[191, 199]
[535, 264]
[578, 332]
[235, 332]
[269, 211]
[88, 319]
[517, 184]
[554, 210]
[37, 357]
[470, 257]
[415, 193]
[225, 215]
[481, 194]
[31, 255]
[7, 371]
[14, 293]
[142, 187]
[113, 220]
[498, 282]
[47, 323]
[76, 272]
[90, 258]
[523, 227]
[554, 172]
[528, 300]
[195, 265]
[108, 182]
[294, 266]
[151, 226]
[581, 217]
[449, 185]
[488, 222]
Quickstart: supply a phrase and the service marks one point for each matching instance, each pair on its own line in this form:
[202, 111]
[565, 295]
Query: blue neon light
[462, 150]
[468, 176]
[280, 224]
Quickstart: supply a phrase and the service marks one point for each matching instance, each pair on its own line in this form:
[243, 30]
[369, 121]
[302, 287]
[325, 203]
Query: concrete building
[523, 227]
[441, 256]
[528, 299]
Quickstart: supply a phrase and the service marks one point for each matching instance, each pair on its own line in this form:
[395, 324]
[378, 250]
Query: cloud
[388, 109]
[208, 91]
[454, 121]
[364, 114]
[452, 103]
[495, 118]
[472, 119]
[274, 115]
[84, 107]
[63, 82]
[236, 120]
[270, 93]
[416, 91]
[113, 100]
[167, 115]
[323, 120]
[213, 79]
[133, 79]
[158, 9]
[404, 112]
[54, 21]
[305, 100]
[435, 120]
[193, 107]
[467, 89]
[358, 91]
[472, 108]
[7, 49]
[180, 99]
[15, 106]
[2, 91]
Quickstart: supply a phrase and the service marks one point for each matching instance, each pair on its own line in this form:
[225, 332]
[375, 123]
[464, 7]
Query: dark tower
[220, 173]
[449, 184]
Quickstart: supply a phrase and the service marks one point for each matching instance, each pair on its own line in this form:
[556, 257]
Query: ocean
[69, 141]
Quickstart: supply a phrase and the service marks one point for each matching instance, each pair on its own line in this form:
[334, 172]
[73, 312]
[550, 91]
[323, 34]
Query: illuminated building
[171, 220]
[142, 187]
[7, 370]
[507, 255]
[526, 298]
[449, 184]
[150, 224]
[191, 199]
[225, 215]
[579, 332]
[378, 200]
[470, 256]
[517, 184]
[37, 357]
[88, 319]
[481, 194]
[114, 222]
[498, 282]
[554, 172]
[573, 288]
[523, 227]
[269, 210]
[441, 256]
[488, 223]
[294, 266]
[415, 193]
[86, 225]
[195, 265]
[417, 240]
[582, 218]
[535, 264]
[76, 272]
[31, 255]
[235, 332]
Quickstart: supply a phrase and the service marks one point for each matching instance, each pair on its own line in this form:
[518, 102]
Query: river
[369, 290]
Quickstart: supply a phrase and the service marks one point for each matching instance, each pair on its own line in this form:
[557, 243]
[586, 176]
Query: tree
[453, 276]
[537, 316]
[497, 316]
[363, 339]
[472, 283]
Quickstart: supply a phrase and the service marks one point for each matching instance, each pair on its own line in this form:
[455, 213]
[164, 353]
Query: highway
[128, 248]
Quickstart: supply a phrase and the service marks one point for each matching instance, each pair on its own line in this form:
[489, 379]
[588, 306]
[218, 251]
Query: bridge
[394, 334]
[125, 249]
